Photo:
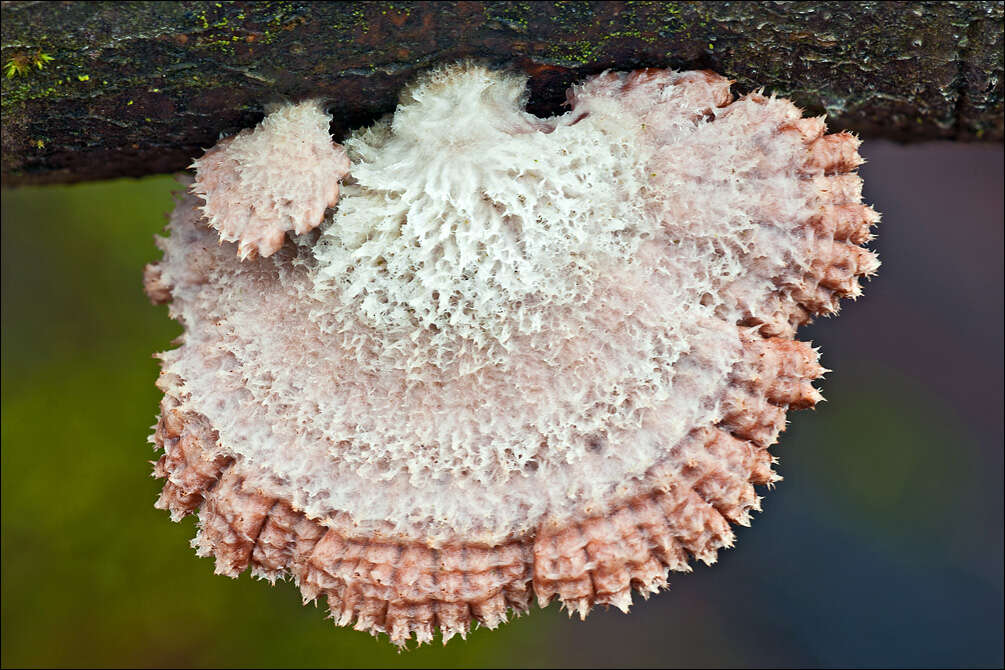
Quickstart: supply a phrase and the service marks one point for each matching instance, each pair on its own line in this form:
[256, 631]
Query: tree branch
[101, 90]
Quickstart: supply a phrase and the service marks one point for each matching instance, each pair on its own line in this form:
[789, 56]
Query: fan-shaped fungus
[522, 358]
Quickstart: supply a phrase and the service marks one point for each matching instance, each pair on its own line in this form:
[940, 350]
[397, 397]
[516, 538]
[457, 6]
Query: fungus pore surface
[477, 357]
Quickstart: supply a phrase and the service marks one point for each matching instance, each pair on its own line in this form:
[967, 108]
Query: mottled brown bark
[141, 88]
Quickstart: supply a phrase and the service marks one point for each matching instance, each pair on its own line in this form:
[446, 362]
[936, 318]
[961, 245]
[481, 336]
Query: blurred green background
[882, 547]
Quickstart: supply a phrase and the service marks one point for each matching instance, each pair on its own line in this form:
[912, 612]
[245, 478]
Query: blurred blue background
[882, 547]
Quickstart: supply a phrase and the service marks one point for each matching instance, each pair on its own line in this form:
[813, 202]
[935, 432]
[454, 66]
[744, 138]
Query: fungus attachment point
[522, 359]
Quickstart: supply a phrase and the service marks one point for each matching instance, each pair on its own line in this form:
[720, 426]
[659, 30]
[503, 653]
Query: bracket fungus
[520, 359]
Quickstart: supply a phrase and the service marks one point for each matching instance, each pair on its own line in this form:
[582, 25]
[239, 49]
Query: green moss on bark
[136, 88]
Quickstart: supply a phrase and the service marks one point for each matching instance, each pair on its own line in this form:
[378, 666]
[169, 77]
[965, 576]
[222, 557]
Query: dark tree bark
[141, 88]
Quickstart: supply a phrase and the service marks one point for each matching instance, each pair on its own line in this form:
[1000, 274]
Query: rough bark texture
[142, 88]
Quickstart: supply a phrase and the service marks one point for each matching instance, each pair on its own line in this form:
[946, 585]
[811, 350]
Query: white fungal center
[469, 217]
[506, 319]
